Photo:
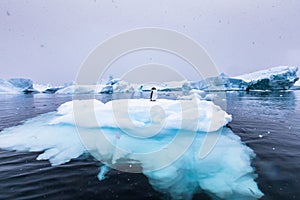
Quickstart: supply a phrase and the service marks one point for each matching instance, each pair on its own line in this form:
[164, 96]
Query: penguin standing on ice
[153, 94]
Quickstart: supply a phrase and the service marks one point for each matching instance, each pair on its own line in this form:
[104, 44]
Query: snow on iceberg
[7, 88]
[165, 86]
[296, 86]
[276, 78]
[218, 83]
[117, 86]
[80, 89]
[16, 86]
[113, 86]
[169, 154]
[49, 89]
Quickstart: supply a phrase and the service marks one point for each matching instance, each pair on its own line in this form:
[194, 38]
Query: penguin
[153, 94]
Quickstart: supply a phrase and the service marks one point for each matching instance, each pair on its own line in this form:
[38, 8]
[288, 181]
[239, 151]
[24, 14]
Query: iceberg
[48, 89]
[117, 86]
[276, 78]
[165, 86]
[112, 86]
[7, 88]
[108, 89]
[219, 83]
[16, 86]
[80, 89]
[296, 86]
[40, 87]
[164, 140]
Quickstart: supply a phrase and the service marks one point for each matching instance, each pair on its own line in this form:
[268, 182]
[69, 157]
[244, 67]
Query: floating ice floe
[181, 146]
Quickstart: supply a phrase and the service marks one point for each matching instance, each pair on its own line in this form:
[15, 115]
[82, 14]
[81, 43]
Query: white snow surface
[41, 87]
[208, 116]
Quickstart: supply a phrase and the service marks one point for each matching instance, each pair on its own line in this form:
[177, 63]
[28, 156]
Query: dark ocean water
[269, 123]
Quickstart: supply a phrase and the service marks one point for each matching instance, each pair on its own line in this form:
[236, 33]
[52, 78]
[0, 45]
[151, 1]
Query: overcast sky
[48, 40]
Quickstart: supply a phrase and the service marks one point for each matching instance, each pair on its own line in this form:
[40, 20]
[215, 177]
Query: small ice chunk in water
[103, 171]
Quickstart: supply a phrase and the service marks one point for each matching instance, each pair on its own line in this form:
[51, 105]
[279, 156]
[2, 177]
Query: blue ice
[182, 149]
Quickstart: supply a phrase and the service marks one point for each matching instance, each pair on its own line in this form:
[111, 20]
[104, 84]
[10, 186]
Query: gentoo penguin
[153, 95]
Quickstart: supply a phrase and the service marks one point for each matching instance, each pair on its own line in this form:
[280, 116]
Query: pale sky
[48, 40]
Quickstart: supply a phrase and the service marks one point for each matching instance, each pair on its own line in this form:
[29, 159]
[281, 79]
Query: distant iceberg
[276, 78]
[7, 88]
[296, 86]
[112, 86]
[16, 86]
[49, 89]
[165, 86]
[118, 86]
[80, 89]
[125, 133]
[219, 83]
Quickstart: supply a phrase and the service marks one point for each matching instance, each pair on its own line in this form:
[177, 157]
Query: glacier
[166, 139]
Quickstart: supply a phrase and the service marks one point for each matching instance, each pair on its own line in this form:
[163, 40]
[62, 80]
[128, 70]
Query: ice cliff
[276, 78]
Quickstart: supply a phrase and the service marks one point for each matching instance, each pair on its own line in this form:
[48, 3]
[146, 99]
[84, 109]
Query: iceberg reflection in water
[171, 159]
